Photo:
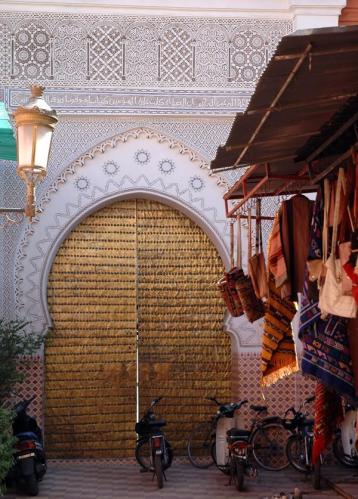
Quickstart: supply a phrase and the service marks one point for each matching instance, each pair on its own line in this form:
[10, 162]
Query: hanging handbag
[227, 284]
[253, 306]
[332, 300]
[256, 264]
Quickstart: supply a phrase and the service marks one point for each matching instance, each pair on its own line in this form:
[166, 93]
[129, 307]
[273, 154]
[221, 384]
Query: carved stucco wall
[181, 77]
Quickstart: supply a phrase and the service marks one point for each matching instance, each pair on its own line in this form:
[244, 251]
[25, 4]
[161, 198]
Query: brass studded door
[135, 266]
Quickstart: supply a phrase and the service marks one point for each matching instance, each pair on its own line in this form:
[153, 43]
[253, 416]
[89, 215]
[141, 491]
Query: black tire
[316, 475]
[295, 451]
[158, 468]
[31, 486]
[269, 446]
[350, 462]
[239, 475]
[142, 454]
[199, 447]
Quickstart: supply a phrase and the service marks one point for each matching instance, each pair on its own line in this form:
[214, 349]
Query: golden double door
[136, 314]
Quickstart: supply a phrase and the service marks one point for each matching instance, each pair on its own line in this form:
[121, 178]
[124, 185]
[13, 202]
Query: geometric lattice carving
[106, 47]
[69, 51]
[176, 56]
[3, 49]
[142, 54]
[213, 40]
[31, 52]
[200, 52]
[248, 56]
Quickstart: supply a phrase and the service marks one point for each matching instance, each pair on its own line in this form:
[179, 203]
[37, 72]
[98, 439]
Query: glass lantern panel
[43, 143]
[24, 145]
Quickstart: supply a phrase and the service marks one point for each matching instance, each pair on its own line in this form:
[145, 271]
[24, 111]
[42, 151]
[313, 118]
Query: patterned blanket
[278, 355]
[326, 354]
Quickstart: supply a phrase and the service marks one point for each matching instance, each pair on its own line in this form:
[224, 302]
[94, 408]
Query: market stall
[299, 135]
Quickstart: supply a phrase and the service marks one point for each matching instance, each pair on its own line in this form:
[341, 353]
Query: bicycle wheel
[296, 453]
[268, 446]
[345, 459]
[316, 475]
[199, 446]
[142, 453]
[158, 470]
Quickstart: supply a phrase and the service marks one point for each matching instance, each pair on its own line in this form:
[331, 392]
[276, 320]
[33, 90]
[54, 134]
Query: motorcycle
[29, 464]
[153, 451]
[239, 462]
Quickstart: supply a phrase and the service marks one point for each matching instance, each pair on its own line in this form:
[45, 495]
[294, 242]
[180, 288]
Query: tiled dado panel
[245, 384]
[33, 385]
[289, 391]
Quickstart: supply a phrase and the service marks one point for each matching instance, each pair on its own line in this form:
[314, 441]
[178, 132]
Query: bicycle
[300, 443]
[153, 451]
[267, 437]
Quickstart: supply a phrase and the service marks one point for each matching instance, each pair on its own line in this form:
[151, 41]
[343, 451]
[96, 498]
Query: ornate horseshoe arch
[137, 163]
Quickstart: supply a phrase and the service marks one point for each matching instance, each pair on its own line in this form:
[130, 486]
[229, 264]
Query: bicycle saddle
[258, 408]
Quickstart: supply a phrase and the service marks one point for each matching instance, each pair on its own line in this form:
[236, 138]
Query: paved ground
[108, 480]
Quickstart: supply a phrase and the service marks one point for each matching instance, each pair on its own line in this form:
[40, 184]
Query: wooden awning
[304, 109]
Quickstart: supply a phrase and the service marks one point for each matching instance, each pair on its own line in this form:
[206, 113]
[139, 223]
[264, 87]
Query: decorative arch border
[41, 239]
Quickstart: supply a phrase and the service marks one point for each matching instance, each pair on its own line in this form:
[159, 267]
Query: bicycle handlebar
[290, 409]
[213, 399]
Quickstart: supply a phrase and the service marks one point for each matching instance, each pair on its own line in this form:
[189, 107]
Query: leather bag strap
[238, 243]
[231, 244]
[249, 229]
[327, 195]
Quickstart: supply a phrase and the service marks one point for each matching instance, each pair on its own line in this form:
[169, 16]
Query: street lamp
[35, 122]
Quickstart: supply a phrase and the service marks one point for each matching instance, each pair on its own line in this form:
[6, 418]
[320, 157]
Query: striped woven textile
[276, 258]
[278, 354]
[328, 414]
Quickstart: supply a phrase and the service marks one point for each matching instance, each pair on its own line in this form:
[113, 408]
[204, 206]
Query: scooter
[153, 451]
[29, 464]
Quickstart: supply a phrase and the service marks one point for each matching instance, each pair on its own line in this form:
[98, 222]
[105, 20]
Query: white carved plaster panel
[128, 165]
[145, 51]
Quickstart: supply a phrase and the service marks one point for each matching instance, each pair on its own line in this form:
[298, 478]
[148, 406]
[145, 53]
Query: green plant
[16, 344]
[6, 446]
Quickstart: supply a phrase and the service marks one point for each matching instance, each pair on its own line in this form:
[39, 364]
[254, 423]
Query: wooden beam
[272, 141]
[306, 103]
[239, 182]
[287, 57]
[299, 177]
[276, 99]
[332, 138]
[320, 176]
[248, 195]
[253, 217]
